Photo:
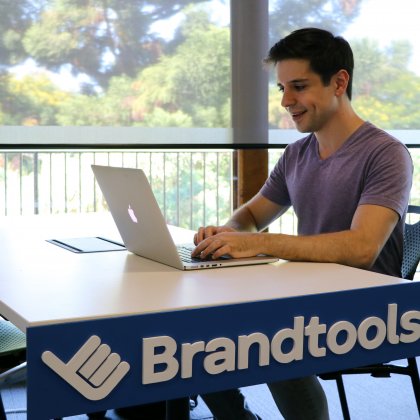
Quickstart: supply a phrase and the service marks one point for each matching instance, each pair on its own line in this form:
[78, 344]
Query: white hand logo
[93, 371]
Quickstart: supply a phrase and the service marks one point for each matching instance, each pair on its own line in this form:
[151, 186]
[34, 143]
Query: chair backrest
[12, 354]
[12, 340]
[411, 253]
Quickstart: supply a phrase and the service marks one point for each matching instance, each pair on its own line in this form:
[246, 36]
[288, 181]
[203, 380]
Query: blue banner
[100, 364]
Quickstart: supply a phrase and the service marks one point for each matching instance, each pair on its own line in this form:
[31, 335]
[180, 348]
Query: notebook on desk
[142, 226]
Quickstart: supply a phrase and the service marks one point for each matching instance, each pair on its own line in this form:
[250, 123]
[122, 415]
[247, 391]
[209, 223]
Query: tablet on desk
[88, 244]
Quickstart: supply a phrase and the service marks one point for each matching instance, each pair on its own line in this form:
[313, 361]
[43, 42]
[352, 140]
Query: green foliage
[110, 109]
[159, 117]
[14, 21]
[196, 185]
[98, 38]
[137, 79]
[188, 87]
[195, 79]
[385, 91]
[32, 100]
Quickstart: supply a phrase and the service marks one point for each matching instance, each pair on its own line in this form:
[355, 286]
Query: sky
[387, 20]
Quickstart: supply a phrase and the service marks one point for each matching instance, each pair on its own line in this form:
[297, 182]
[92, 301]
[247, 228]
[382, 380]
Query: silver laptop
[142, 226]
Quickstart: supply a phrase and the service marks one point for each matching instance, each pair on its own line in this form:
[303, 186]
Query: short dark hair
[327, 54]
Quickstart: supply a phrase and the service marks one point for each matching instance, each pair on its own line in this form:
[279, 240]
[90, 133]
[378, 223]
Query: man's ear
[341, 80]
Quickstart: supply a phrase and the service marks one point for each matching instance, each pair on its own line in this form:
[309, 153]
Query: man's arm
[358, 247]
[253, 216]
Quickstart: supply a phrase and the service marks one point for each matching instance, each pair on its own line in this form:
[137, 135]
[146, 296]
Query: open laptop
[142, 226]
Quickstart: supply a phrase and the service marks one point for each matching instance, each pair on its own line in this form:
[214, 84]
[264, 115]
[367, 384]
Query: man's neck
[336, 133]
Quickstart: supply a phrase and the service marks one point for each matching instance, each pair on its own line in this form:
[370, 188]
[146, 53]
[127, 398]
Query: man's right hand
[207, 231]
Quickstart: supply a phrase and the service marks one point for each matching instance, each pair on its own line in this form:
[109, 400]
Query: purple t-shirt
[371, 167]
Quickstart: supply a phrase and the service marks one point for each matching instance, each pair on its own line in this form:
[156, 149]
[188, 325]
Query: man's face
[310, 104]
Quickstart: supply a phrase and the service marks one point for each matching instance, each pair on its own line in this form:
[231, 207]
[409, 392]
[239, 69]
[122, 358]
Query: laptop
[142, 226]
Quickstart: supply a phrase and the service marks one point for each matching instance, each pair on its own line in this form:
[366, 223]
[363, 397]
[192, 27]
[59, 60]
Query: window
[78, 72]
[383, 36]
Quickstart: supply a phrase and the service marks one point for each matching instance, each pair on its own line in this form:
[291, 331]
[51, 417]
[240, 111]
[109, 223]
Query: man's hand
[227, 242]
[238, 237]
[208, 231]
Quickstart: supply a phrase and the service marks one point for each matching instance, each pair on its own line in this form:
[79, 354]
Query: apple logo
[132, 214]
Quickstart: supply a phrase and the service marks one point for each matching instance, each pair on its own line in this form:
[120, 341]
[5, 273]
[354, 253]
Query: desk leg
[178, 409]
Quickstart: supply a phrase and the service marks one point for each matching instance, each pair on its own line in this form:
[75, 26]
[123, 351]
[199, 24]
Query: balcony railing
[193, 188]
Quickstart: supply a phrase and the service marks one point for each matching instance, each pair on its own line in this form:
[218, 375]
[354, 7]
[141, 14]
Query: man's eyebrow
[293, 81]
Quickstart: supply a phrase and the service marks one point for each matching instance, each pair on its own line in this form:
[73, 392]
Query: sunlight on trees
[134, 77]
[131, 76]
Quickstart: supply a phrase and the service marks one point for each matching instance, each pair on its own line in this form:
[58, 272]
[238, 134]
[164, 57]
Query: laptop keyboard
[184, 252]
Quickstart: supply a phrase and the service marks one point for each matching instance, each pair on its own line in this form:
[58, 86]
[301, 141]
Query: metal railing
[192, 188]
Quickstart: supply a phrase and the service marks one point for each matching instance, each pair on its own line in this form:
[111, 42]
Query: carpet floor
[369, 399]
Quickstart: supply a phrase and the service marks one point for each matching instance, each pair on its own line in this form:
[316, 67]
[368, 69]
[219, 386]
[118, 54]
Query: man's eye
[300, 87]
[281, 89]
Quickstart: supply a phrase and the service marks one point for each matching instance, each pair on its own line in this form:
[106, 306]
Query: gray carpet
[369, 399]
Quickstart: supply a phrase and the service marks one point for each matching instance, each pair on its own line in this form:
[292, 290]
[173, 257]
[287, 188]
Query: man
[347, 181]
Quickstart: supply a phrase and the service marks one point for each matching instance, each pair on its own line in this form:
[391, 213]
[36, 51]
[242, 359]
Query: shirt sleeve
[275, 188]
[389, 178]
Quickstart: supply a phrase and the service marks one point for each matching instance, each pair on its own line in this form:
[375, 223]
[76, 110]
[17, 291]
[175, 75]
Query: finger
[209, 248]
[205, 232]
[197, 250]
[111, 382]
[210, 231]
[84, 353]
[202, 245]
[199, 236]
[105, 370]
[96, 360]
[220, 252]
[51, 360]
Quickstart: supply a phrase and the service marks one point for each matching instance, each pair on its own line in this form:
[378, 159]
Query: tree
[385, 91]
[32, 100]
[333, 15]
[98, 38]
[15, 19]
[112, 108]
[194, 80]
[188, 88]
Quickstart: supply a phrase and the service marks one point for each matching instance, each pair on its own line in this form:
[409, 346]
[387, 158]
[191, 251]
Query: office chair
[12, 357]
[13, 361]
[411, 258]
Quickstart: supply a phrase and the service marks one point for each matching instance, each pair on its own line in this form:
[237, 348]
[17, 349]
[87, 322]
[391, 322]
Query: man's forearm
[242, 220]
[346, 247]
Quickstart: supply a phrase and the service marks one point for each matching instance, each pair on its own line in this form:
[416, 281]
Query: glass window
[383, 36]
[74, 63]
[110, 73]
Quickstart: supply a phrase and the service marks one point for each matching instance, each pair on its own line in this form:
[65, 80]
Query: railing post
[36, 184]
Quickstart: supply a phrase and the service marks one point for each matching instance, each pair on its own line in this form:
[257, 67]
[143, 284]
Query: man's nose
[287, 100]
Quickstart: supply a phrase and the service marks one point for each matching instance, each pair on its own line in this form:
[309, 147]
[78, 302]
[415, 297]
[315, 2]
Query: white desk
[61, 299]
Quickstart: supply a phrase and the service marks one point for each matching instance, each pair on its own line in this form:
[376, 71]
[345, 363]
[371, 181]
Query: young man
[347, 181]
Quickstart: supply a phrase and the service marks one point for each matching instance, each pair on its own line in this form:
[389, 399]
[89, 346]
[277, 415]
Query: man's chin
[303, 129]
